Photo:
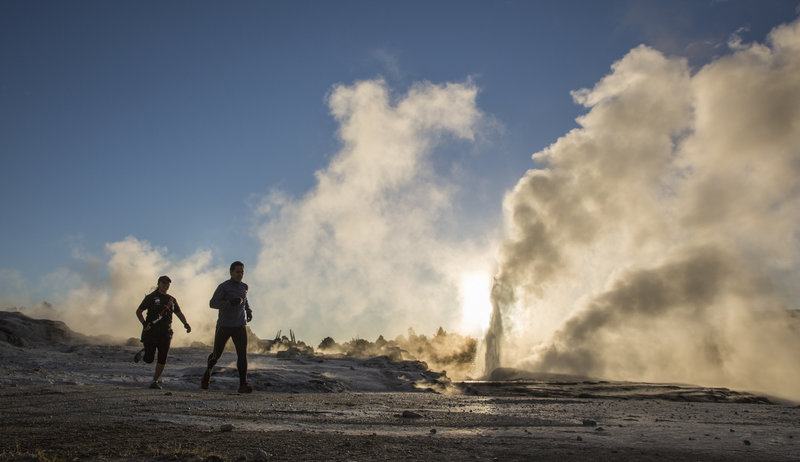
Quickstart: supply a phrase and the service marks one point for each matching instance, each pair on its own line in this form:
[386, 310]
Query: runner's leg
[221, 337]
[240, 342]
[150, 344]
[163, 351]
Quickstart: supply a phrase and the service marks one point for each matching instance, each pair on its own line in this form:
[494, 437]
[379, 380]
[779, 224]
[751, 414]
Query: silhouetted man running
[157, 331]
[230, 299]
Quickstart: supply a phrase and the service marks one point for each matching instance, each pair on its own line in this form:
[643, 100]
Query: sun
[476, 307]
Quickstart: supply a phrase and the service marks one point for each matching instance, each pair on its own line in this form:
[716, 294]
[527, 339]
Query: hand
[249, 316]
[188, 327]
[236, 301]
[147, 326]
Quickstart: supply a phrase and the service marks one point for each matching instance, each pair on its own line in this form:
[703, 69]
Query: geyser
[657, 241]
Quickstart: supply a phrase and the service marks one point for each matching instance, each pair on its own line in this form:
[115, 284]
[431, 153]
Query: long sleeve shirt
[230, 316]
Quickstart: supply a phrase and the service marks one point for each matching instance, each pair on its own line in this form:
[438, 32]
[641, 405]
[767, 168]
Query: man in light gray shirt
[230, 299]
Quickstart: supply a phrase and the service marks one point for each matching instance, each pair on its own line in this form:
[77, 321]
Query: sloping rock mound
[510, 373]
[21, 331]
[508, 381]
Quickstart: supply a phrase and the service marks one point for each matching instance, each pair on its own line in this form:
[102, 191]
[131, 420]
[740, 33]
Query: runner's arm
[183, 320]
[179, 313]
[140, 310]
[218, 301]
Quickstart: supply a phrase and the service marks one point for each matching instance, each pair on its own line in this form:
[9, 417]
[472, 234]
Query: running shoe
[156, 386]
[138, 356]
[245, 388]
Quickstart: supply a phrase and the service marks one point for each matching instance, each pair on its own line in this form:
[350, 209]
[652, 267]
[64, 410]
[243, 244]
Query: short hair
[165, 279]
[235, 264]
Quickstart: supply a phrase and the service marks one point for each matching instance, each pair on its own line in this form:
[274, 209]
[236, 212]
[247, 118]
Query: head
[237, 271]
[163, 284]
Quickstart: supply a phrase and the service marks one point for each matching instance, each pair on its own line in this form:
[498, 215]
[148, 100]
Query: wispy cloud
[389, 63]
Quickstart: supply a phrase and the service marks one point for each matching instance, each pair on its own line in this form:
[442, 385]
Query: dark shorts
[156, 341]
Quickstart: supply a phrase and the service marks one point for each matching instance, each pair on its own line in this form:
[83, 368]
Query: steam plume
[661, 234]
[107, 305]
[370, 250]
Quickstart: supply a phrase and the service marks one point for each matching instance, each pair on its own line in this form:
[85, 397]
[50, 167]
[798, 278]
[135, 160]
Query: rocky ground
[89, 422]
[65, 399]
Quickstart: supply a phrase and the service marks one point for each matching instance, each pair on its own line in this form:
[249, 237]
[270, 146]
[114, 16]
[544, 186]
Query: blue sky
[169, 121]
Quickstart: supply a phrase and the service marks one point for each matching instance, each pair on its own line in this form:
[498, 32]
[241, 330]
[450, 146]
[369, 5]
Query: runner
[230, 299]
[157, 331]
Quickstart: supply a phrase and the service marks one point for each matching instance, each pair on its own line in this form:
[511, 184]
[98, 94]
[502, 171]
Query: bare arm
[180, 316]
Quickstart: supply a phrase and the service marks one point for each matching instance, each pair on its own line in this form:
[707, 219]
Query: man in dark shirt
[157, 332]
[230, 299]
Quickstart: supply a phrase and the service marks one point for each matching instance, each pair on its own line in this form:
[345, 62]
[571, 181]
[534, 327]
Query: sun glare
[476, 308]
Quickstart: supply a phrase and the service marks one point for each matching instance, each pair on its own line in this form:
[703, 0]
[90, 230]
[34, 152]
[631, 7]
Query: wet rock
[226, 428]
[433, 431]
[410, 415]
[746, 442]
[589, 423]
[261, 456]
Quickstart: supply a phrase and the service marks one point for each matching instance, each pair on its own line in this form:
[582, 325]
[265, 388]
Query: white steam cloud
[658, 241]
[107, 305]
[369, 250]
